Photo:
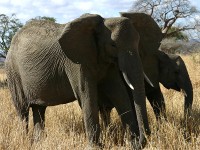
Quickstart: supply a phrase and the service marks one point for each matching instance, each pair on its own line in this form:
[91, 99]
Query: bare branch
[3, 56]
[168, 13]
[178, 30]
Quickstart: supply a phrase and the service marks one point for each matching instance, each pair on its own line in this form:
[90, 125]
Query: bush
[173, 46]
[170, 45]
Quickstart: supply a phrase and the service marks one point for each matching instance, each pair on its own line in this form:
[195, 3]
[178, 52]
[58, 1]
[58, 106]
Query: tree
[8, 27]
[177, 35]
[179, 14]
[44, 18]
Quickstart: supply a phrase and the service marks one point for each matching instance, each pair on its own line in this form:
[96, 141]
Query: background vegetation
[64, 125]
[172, 45]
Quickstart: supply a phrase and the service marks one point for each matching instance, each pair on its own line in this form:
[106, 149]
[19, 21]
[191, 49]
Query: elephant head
[174, 75]
[150, 38]
[149, 31]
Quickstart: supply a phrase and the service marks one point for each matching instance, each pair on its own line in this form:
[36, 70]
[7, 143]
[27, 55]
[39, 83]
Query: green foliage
[44, 18]
[178, 35]
[8, 27]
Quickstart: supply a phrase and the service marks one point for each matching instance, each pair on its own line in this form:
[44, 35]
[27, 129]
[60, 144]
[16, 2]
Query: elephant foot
[136, 146]
[36, 139]
[138, 143]
[38, 135]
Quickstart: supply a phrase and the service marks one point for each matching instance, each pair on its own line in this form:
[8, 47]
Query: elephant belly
[55, 96]
[51, 92]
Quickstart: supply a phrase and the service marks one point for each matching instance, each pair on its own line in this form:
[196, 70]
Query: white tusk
[147, 79]
[127, 81]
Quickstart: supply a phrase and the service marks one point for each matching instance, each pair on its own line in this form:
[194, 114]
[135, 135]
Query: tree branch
[1, 55]
[178, 30]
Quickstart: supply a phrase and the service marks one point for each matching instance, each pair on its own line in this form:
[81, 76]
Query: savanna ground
[64, 125]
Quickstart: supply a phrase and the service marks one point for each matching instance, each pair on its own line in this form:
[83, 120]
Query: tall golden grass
[64, 125]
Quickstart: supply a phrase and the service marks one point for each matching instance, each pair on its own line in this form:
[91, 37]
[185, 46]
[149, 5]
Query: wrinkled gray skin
[50, 64]
[167, 69]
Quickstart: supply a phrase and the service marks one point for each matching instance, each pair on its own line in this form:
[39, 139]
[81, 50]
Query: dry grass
[64, 125]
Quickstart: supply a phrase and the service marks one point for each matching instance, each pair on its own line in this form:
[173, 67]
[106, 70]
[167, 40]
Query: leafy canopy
[8, 27]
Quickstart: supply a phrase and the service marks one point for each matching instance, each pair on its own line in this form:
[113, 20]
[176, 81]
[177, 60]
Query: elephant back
[39, 30]
[149, 31]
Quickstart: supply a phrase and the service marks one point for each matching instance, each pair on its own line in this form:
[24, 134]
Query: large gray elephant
[50, 64]
[167, 69]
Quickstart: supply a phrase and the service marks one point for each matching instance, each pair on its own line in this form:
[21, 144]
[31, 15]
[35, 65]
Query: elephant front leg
[127, 113]
[91, 121]
[88, 103]
[156, 100]
[90, 110]
[117, 94]
[84, 85]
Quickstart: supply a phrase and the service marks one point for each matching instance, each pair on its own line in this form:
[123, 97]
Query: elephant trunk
[132, 71]
[188, 92]
[186, 86]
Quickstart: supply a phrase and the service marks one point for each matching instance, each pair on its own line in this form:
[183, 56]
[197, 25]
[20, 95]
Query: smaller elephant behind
[173, 74]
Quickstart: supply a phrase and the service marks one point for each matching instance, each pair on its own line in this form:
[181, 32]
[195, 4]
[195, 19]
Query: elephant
[173, 74]
[86, 60]
[167, 69]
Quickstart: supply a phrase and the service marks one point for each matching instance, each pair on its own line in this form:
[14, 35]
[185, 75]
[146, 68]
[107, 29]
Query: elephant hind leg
[38, 120]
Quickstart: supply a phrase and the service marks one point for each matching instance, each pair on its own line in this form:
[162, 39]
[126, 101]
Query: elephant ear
[80, 37]
[168, 70]
[163, 58]
[149, 31]
[170, 60]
